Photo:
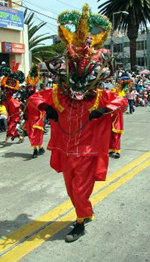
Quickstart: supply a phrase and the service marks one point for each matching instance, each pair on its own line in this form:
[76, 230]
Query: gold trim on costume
[61, 108]
[95, 106]
[115, 150]
[81, 219]
[38, 127]
[116, 130]
[4, 80]
[55, 98]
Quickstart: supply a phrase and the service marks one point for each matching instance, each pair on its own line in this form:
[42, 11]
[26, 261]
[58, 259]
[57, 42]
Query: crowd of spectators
[138, 94]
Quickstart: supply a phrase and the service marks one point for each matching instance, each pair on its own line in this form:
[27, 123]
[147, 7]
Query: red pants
[115, 142]
[11, 131]
[79, 175]
[35, 136]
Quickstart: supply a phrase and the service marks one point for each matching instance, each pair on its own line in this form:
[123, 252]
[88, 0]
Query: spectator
[148, 99]
[49, 82]
[131, 98]
[3, 116]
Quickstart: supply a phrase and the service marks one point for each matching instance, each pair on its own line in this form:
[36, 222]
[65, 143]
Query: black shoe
[35, 153]
[116, 155]
[87, 220]
[76, 233]
[41, 151]
[111, 154]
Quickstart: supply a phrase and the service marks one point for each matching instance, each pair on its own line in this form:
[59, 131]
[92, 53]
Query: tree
[36, 42]
[139, 14]
[47, 52]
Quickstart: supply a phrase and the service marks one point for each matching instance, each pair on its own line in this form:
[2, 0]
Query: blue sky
[53, 8]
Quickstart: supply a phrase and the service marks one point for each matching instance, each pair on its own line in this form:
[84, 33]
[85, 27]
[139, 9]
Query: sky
[53, 8]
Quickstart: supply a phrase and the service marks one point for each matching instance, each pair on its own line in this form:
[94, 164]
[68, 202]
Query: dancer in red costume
[13, 109]
[80, 116]
[115, 140]
[34, 124]
[10, 85]
[117, 121]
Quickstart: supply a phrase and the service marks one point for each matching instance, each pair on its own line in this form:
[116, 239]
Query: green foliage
[58, 48]
[36, 42]
[46, 52]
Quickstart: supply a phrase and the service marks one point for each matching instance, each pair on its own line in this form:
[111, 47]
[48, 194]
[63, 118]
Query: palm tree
[46, 52]
[139, 14]
[36, 45]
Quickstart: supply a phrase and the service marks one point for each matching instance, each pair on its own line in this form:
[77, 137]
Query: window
[126, 44]
[118, 48]
[141, 45]
[140, 61]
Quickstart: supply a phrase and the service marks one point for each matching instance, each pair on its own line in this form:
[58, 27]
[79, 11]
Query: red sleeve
[46, 98]
[113, 102]
[40, 98]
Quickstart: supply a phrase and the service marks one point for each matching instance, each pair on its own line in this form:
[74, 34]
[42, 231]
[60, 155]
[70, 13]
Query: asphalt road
[35, 213]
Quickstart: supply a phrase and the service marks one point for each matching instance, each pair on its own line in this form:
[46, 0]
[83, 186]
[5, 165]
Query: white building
[122, 50]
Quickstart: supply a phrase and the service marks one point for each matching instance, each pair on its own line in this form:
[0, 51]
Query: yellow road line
[18, 235]
[35, 241]
[122, 171]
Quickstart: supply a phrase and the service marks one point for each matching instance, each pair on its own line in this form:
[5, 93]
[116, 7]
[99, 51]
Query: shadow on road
[3, 145]
[15, 154]
[9, 228]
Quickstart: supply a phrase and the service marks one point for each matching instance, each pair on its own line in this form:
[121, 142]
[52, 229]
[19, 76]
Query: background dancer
[124, 84]
[34, 124]
[12, 77]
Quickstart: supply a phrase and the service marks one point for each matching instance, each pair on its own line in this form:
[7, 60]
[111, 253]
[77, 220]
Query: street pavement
[35, 211]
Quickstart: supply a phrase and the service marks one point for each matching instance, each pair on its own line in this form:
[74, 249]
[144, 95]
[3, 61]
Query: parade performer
[124, 83]
[10, 85]
[80, 113]
[34, 124]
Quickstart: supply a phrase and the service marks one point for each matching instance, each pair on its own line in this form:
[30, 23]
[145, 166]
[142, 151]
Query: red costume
[80, 146]
[34, 125]
[13, 109]
[117, 131]
[12, 77]
[117, 122]
[81, 113]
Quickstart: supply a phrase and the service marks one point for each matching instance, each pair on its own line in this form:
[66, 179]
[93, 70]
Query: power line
[43, 20]
[67, 4]
[47, 23]
[34, 11]
[45, 9]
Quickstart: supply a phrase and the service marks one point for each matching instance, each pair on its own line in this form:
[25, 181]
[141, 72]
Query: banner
[11, 18]
[16, 48]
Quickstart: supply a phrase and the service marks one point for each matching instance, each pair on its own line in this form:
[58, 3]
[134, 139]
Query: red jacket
[33, 114]
[74, 134]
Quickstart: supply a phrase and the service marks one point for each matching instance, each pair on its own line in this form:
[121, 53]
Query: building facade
[13, 35]
[121, 50]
